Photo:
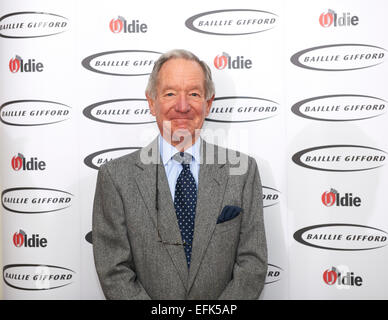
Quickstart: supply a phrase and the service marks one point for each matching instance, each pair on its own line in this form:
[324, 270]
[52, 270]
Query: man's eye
[169, 94]
[195, 94]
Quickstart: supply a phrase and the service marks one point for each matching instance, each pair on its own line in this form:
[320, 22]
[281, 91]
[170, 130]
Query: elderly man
[172, 220]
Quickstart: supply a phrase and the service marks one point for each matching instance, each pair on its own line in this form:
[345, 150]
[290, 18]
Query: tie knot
[186, 166]
[183, 158]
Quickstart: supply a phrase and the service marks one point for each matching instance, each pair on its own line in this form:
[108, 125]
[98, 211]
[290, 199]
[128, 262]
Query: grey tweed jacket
[133, 243]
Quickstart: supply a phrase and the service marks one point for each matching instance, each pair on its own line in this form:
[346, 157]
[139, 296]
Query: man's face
[180, 106]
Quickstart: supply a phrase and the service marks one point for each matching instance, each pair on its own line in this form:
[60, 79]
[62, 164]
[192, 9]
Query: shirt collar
[167, 150]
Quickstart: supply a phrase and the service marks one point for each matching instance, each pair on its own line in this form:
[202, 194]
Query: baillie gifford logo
[31, 24]
[122, 62]
[225, 61]
[332, 19]
[17, 64]
[232, 22]
[340, 158]
[334, 198]
[96, 159]
[34, 277]
[121, 25]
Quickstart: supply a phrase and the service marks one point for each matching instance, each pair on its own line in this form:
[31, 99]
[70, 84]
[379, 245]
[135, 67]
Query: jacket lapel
[164, 218]
[211, 188]
[146, 177]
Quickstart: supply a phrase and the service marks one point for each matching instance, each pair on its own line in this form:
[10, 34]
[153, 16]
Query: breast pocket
[230, 225]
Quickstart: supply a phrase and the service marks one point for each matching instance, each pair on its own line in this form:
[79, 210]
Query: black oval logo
[35, 200]
[97, 159]
[270, 196]
[242, 109]
[34, 277]
[120, 111]
[340, 158]
[274, 274]
[339, 57]
[232, 22]
[342, 237]
[31, 24]
[89, 237]
[28, 113]
[122, 62]
[340, 107]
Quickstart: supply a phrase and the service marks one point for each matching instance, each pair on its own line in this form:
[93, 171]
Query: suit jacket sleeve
[250, 266]
[112, 252]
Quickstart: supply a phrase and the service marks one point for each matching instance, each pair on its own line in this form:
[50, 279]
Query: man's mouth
[181, 118]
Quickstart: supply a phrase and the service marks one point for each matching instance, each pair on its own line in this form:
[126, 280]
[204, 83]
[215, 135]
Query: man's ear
[209, 105]
[151, 104]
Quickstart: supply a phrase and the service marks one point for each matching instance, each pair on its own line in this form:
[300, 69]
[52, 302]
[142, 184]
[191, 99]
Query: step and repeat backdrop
[300, 85]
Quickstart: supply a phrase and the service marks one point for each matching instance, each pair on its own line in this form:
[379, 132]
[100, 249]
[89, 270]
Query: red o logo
[328, 198]
[116, 25]
[17, 163]
[330, 277]
[14, 65]
[220, 62]
[18, 239]
[326, 19]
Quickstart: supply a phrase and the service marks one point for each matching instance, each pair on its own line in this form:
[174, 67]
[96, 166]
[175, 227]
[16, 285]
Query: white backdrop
[300, 86]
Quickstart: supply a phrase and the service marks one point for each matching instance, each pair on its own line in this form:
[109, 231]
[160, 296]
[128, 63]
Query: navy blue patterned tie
[185, 203]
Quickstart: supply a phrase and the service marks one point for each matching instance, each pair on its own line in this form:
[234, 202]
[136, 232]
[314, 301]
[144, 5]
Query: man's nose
[182, 104]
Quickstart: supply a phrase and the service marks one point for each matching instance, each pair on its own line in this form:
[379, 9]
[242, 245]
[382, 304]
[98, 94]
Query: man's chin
[181, 132]
[178, 131]
[181, 123]
[183, 136]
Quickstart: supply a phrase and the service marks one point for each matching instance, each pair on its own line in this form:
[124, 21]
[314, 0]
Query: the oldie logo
[30, 24]
[32, 277]
[340, 107]
[274, 274]
[242, 109]
[19, 162]
[232, 22]
[120, 111]
[342, 237]
[121, 25]
[334, 198]
[17, 64]
[339, 57]
[225, 61]
[340, 158]
[122, 62]
[341, 277]
[32, 200]
[21, 239]
[33, 112]
[270, 196]
[96, 159]
[332, 19]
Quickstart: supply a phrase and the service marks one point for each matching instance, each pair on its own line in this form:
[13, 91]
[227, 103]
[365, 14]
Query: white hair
[179, 54]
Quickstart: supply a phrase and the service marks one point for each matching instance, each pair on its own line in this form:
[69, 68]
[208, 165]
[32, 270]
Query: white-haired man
[172, 220]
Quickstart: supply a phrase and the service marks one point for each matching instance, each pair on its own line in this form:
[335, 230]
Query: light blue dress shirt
[174, 168]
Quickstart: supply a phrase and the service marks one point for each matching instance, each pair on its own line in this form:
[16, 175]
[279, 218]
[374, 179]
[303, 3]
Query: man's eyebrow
[194, 87]
[168, 87]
